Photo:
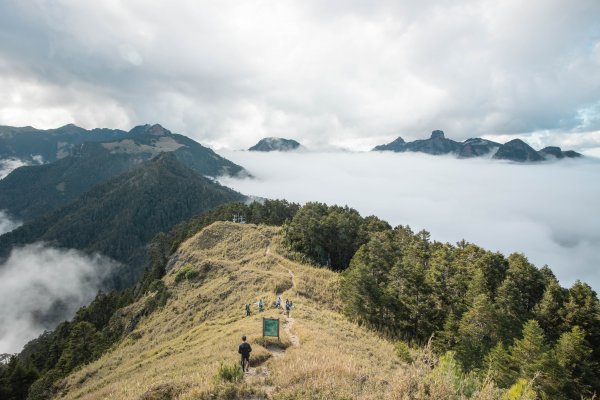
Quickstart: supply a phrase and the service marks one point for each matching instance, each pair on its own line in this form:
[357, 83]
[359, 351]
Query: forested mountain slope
[31, 191]
[119, 217]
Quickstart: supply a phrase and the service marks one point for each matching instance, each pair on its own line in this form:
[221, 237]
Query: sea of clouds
[547, 211]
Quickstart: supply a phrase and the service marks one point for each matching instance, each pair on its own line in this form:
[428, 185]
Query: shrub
[186, 272]
[192, 274]
[403, 351]
[229, 372]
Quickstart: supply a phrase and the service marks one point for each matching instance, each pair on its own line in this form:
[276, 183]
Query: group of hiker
[276, 304]
[245, 349]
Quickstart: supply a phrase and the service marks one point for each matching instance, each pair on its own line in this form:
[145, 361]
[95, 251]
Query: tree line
[498, 316]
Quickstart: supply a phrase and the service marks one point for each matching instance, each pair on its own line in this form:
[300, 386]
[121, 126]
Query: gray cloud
[549, 212]
[353, 73]
[41, 286]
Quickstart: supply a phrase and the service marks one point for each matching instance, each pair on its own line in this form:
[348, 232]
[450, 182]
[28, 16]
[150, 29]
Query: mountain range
[31, 191]
[515, 150]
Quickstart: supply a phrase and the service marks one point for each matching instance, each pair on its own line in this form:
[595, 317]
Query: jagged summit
[275, 144]
[437, 134]
[515, 150]
[155, 130]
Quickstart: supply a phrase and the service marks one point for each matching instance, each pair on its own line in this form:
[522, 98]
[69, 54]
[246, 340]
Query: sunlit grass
[177, 351]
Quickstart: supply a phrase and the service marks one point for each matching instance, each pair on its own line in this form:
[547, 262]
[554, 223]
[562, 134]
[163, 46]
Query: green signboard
[271, 327]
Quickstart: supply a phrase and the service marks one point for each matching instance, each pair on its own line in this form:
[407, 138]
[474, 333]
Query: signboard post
[271, 327]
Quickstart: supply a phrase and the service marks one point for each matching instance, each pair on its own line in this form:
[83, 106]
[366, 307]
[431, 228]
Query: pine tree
[501, 366]
[583, 309]
[476, 332]
[533, 360]
[548, 311]
[520, 291]
[575, 356]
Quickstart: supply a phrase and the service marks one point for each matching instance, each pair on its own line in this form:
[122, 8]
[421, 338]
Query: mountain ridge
[31, 191]
[515, 150]
[119, 217]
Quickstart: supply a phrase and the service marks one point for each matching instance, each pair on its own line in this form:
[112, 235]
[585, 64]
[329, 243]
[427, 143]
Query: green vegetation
[229, 372]
[464, 322]
[480, 305]
[104, 322]
[120, 217]
[329, 235]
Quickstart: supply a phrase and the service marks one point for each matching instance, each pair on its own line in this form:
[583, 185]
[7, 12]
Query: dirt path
[258, 375]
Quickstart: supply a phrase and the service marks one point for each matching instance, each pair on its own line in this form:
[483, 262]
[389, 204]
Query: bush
[186, 272]
[403, 351]
[191, 275]
[228, 372]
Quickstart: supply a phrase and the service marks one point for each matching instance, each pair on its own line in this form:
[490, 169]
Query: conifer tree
[476, 332]
[575, 357]
[533, 360]
[548, 311]
[583, 309]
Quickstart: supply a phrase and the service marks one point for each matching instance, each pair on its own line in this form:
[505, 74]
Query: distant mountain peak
[154, 130]
[437, 134]
[275, 144]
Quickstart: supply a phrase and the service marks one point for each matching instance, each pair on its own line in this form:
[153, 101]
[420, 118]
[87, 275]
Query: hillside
[176, 351]
[119, 217]
[31, 191]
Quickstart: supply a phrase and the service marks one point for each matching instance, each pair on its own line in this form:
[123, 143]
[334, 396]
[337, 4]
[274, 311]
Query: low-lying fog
[547, 211]
[41, 286]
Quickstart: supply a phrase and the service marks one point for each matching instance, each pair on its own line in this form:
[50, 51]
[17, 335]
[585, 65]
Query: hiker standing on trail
[247, 309]
[288, 307]
[260, 305]
[245, 350]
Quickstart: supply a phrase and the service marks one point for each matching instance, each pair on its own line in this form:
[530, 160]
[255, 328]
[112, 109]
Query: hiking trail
[258, 374]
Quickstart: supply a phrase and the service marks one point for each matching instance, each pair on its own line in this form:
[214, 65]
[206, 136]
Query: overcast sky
[337, 73]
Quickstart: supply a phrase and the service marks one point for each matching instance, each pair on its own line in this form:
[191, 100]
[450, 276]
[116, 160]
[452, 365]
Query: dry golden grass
[176, 351]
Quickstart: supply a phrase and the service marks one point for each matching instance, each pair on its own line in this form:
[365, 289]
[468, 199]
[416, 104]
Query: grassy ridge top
[176, 351]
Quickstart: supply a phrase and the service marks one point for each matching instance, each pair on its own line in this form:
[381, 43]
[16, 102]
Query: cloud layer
[353, 74]
[548, 211]
[41, 286]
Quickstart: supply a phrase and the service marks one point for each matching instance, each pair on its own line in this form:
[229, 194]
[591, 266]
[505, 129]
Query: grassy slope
[178, 349]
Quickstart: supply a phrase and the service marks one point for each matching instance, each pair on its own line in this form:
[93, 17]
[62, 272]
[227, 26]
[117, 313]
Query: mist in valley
[41, 286]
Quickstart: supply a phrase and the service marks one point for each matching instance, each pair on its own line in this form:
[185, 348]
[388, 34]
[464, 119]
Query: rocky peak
[275, 144]
[437, 134]
[154, 130]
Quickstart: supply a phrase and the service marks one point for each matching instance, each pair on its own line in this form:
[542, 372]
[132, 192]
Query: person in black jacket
[245, 350]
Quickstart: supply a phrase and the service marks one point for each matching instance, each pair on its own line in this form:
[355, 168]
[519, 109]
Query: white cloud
[41, 286]
[7, 224]
[346, 73]
[547, 211]
[7, 165]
